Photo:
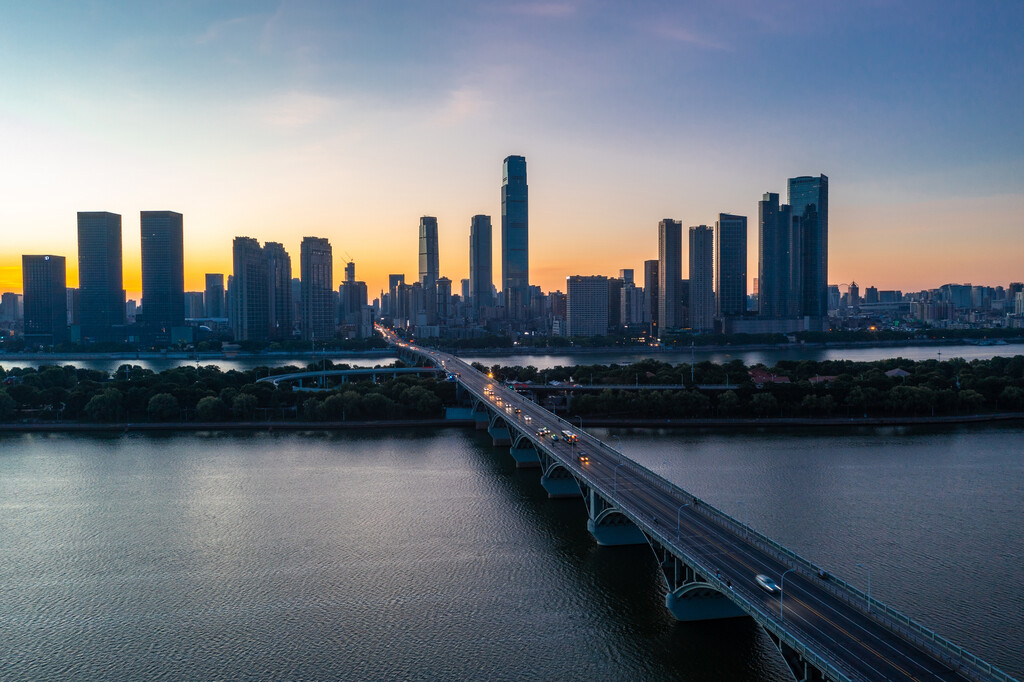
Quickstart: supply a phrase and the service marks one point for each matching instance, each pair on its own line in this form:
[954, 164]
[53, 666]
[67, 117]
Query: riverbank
[725, 423]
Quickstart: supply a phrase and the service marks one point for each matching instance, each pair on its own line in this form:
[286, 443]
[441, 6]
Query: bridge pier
[499, 435]
[803, 671]
[480, 421]
[608, 525]
[709, 605]
[526, 458]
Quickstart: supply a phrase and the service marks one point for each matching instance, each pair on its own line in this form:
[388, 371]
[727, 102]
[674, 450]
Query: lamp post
[868, 569]
[615, 479]
[620, 442]
[581, 423]
[678, 514]
[782, 592]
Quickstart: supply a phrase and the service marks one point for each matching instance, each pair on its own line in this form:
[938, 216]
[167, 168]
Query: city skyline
[350, 123]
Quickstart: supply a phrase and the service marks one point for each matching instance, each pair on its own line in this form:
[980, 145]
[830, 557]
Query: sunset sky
[278, 120]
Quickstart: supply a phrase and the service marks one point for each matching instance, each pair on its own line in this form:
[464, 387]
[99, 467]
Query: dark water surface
[424, 555]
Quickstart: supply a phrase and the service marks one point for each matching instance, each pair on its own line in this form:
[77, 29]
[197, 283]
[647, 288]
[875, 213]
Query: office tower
[515, 238]
[163, 274]
[429, 270]
[100, 286]
[350, 271]
[74, 306]
[12, 306]
[296, 303]
[195, 308]
[808, 197]
[317, 289]
[614, 301]
[702, 277]
[730, 265]
[670, 274]
[871, 295]
[214, 296]
[443, 297]
[651, 294]
[626, 275]
[631, 306]
[465, 289]
[46, 311]
[394, 282]
[279, 276]
[481, 278]
[249, 291]
[586, 305]
[778, 265]
[854, 294]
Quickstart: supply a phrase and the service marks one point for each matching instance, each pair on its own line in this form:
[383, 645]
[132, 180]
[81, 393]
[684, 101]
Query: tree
[211, 409]
[244, 406]
[764, 404]
[728, 403]
[163, 407]
[7, 406]
[104, 407]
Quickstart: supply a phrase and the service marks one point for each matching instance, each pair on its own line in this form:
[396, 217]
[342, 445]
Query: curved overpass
[825, 628]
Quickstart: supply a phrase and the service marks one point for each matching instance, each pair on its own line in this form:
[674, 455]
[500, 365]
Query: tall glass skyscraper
[481, 279]
[249, 291]
[100, 286]
[808, 197]
[279, 275]
[45, 300]
[778, 276]
[317, 272]
[730, 265]
[429, 269]
[670, 274]
[702, 277]
[515, 238]
[214, 295]
[163, 273]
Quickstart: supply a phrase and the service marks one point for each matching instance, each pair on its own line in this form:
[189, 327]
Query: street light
[615, 479]
[581, 423]
[620, 442]
[868, 569]
[782, 593]
[678, 514]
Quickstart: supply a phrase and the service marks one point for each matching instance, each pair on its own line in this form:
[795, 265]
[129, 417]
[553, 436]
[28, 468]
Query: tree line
[208, 394]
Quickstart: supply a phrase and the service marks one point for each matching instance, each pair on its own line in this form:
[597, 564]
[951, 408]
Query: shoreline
[711, 423]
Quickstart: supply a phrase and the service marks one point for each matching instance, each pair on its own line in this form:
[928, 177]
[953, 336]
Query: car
[527, 419]
[766, 583]
[584, 458]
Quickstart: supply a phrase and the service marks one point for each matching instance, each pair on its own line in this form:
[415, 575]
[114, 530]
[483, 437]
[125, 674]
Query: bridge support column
[608, 526]
[684, 605]
[499, 435]
[559, 487]
[802, 670]
[526, 458]
[480, 421]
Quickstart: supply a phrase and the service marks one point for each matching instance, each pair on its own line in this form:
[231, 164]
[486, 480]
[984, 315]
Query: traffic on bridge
[714, 566]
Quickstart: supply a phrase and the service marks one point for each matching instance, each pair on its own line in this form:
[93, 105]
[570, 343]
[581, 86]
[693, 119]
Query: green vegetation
[815, 389]
[207, 394]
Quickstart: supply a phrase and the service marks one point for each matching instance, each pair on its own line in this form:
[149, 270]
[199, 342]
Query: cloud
[216, 30]
[295, 110]
[681, 34]
[545, 9]
[461, 105]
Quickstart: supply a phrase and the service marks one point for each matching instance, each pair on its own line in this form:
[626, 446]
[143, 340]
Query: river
[547, 360]
[425, 555]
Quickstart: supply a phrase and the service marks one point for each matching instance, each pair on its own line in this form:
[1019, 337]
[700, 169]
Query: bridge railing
[953, 654]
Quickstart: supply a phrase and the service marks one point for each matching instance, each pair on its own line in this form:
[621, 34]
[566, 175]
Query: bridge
[825, 628]
[320, 376]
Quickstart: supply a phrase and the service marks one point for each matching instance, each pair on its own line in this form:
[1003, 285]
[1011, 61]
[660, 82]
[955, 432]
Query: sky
[350, 120]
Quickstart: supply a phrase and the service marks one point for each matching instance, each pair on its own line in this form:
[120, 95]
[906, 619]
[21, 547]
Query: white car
[766, 583]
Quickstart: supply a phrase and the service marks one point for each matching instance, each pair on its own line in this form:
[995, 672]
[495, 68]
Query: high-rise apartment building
[250, 291]
[318, 289]
[279, 275]
[350, 271]
[214, 296]
[702, 276]
[101, 289]
[45, 300]
[808, 198]
[778, 276]
[670, 274]
[481, 277]
[651, 284]
[730, 265]
[163, 274]
[586, 305]
[515, 238]
[429, 269]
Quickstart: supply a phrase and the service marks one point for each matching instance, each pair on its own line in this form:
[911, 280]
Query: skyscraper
[808, 197]
[586, 305]
[702, 275]
[651, 294]
[317, 289]
[481, 278]
[214, 296]
[515, 238]
[730, 265]
[100, 286]
[670, 274]
[249, 291]
[429, 270]
[778, 266]
[279, 278]
[45, 300]
[163, 274]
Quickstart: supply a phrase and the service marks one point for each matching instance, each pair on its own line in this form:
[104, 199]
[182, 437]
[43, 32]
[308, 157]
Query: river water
[551, 359]
[425, 555]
